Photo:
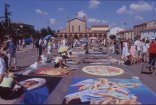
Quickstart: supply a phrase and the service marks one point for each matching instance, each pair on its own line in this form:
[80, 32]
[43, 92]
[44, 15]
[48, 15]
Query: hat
[152, 38]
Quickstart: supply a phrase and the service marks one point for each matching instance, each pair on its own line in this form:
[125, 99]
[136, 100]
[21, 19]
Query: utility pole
[6, 15]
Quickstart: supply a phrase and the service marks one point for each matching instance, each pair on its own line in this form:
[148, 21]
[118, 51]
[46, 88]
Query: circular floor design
[102, 70]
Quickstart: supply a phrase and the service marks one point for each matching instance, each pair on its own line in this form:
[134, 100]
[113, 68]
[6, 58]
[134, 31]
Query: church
[77, 28]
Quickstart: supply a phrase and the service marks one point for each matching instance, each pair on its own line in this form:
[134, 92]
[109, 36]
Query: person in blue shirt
[11, 50]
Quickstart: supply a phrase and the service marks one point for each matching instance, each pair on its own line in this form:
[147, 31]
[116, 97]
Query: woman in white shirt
[2, 68]
[125, 51]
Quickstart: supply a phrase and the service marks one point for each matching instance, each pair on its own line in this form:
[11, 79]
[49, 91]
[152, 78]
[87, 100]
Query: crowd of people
[134, 51]
[131, 52]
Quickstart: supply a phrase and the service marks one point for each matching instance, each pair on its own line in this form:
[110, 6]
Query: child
[7, 85]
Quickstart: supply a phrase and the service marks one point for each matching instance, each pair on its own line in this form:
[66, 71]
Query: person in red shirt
[152, 54]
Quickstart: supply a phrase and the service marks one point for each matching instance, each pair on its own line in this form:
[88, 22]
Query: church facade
[77, 28]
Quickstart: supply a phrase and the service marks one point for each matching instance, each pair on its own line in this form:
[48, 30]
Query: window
[72, 28]
[79, 29]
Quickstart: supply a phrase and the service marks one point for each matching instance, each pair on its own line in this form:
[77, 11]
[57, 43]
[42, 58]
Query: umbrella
[47, 37]
[63, 49]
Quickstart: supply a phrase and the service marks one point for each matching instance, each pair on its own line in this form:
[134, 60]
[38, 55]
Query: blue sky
[54, 13]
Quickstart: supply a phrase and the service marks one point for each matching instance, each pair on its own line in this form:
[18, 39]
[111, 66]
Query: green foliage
[46, 31]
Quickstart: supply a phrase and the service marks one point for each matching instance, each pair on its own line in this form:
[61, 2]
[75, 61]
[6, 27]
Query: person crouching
[58, 62]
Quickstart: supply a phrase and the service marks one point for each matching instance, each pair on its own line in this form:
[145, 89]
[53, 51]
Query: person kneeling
[128, 60]
[58, 63]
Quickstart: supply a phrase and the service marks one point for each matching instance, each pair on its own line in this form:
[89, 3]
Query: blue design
[143, 93]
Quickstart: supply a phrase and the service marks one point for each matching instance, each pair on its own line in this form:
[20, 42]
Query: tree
[43, 32]
[47, 31]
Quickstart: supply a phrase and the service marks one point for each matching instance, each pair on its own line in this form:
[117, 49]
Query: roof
[143, 23]
[127, 30]
[100, 25]
[81, 32]
[149, 29]
[74, 19]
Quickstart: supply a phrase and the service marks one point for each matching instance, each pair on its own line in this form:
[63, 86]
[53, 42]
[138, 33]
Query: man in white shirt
[145, 47]
[138, 45]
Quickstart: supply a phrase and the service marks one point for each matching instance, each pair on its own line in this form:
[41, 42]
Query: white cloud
[41, 12]
[104, 21]
[60, 9]
[135, 8]
[52, 21]
[93, 20]
[122, 10]
[138, 18]
[81, 14]
[93, 3]
[141, 7]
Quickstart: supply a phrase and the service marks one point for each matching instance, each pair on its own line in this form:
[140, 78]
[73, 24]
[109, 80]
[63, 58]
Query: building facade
[126, 34]
[147, 25]
[147, 34]
[77, 28]
[114, 31]
[76, 25]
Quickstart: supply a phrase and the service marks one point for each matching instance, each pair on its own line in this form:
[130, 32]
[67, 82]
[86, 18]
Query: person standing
[2, 67]
[4, 56]
[40, 47]
[138, 45]
[49, 48]
[145, 47]
[125, 51]
[109, 46]
[152, 54]
[116, 47]
[86, 48]
[133, 53]
[11, 49]
[24, 44]
[64, 42]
